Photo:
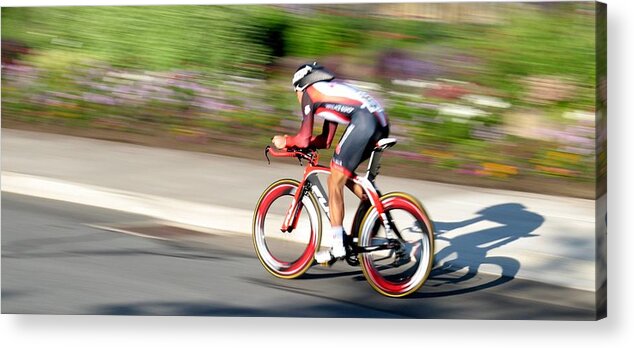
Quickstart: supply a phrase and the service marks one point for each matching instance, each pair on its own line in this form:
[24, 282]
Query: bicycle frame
[311, 182]
[394, 264]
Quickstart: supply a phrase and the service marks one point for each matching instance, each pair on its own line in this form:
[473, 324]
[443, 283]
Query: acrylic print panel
[135, 180]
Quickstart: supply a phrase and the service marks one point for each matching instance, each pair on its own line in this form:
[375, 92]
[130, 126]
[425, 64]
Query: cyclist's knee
[337, 178]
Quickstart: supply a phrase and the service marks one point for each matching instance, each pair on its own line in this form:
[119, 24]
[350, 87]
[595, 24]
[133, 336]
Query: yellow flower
[498, 170]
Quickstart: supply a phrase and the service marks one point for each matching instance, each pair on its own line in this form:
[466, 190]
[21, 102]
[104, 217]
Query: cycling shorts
[358, 141]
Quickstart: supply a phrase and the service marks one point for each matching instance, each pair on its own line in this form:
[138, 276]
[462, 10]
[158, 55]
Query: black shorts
[358, 141]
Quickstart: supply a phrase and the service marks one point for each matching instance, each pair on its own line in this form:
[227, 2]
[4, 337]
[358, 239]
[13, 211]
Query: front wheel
[398, 272]
[285, 254]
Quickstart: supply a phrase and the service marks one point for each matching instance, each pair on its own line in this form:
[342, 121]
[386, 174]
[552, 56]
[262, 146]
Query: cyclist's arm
[303, 137]
[323, 140]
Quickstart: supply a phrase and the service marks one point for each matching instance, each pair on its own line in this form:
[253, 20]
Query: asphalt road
[55, 261]
[549, 239]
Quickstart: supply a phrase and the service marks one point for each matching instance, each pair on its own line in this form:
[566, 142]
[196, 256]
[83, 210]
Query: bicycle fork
[311, 184]
[290, 221]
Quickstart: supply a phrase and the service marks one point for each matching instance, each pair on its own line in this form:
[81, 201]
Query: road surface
[63, 258]
[550, 239]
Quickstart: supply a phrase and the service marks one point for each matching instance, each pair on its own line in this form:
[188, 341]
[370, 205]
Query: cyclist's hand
[279, 141]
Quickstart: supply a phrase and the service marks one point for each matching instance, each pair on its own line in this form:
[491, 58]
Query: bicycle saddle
[384, 144]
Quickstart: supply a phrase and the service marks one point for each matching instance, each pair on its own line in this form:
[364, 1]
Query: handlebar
[309, 154]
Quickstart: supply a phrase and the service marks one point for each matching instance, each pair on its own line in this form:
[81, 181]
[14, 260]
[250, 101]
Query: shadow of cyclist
[471, 249]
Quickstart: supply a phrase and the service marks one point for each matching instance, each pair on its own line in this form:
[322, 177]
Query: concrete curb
[207, 216]
[201, 217]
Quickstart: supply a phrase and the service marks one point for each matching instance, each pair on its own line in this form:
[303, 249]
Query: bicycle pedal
[329, 263]
[352, 260]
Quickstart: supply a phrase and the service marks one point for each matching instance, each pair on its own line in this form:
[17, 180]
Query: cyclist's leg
[356, 189]
[379, 133]
[350, 152]
[336, 181]
[348, 155]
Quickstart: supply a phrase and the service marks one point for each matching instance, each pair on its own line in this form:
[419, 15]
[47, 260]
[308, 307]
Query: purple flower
[99, 99]
[578, 150]
[411, 156]
[210, 104]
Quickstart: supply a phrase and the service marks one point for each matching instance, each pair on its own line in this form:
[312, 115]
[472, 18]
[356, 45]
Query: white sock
[337, 233]
[337, 249]
[337, 239]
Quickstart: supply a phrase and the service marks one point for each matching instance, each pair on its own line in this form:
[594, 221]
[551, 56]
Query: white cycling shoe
[325, 256]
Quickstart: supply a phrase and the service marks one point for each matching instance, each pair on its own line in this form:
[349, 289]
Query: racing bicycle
[391, 238]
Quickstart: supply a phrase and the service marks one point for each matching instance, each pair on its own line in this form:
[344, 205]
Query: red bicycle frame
[310, 181]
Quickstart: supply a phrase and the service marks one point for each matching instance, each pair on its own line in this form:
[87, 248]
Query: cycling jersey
[334, 102]
[338, 103]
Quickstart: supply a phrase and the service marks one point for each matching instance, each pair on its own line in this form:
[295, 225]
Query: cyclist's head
[308, 74]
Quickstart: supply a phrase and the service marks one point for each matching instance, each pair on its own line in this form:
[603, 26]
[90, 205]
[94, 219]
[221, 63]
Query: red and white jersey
[336, 102]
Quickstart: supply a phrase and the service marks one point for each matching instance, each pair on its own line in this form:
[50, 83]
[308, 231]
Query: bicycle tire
[274, 261]
[413, 276]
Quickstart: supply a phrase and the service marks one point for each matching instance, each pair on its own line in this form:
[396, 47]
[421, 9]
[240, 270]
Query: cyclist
[321, 96]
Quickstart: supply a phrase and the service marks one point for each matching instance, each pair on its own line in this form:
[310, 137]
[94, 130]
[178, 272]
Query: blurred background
[505, 95]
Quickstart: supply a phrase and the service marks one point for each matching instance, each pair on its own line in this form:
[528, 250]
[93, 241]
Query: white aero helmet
[308, 74]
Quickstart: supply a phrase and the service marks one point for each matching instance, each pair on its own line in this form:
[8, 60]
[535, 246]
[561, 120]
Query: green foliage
[75, 48]
[549, 42]
[322, 35]
[205, 37]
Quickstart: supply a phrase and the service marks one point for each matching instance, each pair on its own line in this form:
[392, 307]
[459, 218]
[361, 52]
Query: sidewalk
[553, 239]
